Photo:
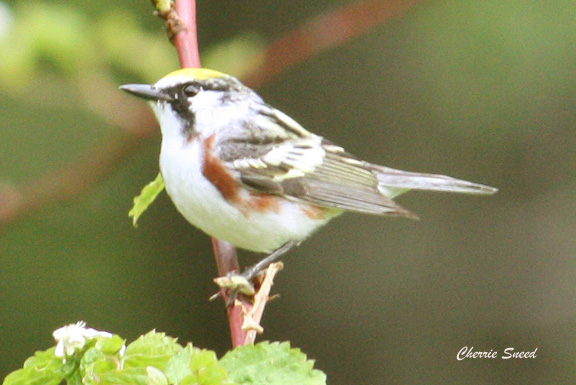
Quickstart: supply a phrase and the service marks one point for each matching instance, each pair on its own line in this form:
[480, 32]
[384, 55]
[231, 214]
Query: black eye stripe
[181, 91]
[183, 96]
[193, 87]
[181, 105]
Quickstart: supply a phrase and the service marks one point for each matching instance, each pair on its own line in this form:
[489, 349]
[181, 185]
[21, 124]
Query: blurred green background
[480, 90]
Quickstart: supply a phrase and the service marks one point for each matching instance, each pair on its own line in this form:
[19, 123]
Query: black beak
[147, 91]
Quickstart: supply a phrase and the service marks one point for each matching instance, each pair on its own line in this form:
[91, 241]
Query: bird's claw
[234, 284]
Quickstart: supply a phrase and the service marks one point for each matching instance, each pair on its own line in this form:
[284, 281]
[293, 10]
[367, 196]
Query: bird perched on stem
[243, 171]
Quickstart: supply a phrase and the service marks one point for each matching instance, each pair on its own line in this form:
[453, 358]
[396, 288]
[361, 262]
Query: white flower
[74, 336]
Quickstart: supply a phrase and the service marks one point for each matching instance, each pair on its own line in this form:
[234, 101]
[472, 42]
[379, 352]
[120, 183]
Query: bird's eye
[191, 90]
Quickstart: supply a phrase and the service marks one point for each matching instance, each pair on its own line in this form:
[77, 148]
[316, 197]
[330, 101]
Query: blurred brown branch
[100, 96]
[323, 32]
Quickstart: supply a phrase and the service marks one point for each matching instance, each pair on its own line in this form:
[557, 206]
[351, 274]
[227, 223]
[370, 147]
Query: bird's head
[180, 96]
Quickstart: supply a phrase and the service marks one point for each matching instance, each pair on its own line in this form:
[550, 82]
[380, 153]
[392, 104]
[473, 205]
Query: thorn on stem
[174, 25]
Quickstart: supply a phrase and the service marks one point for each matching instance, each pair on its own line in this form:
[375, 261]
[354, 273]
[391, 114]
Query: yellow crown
[197, 73]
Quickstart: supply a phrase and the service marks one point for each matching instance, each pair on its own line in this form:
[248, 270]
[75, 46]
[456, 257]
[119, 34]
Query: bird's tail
[398, 181]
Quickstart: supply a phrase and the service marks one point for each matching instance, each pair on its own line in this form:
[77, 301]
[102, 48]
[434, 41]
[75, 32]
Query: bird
[243, 171]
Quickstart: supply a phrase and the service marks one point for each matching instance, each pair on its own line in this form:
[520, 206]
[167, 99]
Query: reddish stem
[186, 35]
[227, 262]
[186, 42]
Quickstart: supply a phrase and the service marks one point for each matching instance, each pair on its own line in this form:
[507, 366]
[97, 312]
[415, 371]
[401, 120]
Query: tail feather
[399, 181]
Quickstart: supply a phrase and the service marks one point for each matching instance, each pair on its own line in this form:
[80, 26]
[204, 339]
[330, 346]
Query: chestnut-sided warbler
[243, 171]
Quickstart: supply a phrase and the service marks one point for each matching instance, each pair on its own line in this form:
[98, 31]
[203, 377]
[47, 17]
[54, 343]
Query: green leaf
[179, 366]
[110, 346]
[44, 368]
[271, 364]
[196, 366]
[129, 376]
[141, 364]
[154, 349]
[93, 367]
[156, 359]
[155, 376]
[97, 368]
[101, 364]
[146, 197]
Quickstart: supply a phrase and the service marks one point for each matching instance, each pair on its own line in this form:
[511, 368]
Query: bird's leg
[253, 271]
[242, 283]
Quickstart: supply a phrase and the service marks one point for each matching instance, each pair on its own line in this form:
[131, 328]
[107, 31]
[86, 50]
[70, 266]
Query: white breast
[202, 204]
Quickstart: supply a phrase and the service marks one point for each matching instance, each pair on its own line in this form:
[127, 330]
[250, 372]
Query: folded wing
[305, 167]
